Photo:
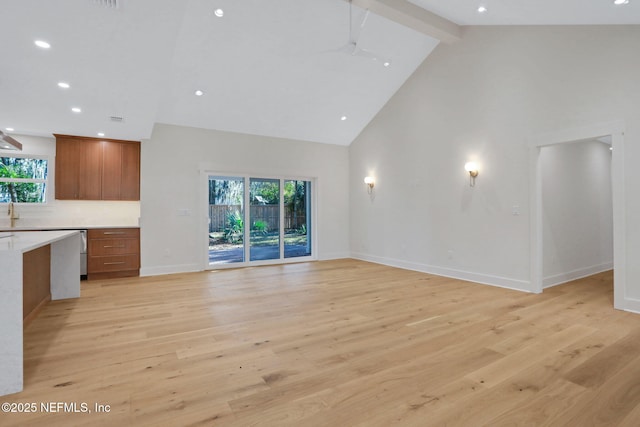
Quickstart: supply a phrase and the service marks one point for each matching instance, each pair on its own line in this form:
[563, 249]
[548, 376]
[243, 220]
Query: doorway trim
[616, 129]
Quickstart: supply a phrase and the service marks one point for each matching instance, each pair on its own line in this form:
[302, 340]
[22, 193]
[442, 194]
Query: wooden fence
[219, 215]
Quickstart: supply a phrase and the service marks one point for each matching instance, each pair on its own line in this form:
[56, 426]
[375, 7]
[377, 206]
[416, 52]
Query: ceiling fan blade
[351, 47]
[347, 49]
[364, 20]
[364, 53]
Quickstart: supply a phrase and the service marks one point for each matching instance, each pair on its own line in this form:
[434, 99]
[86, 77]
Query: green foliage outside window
[22, 180]
[234, 231]
[264, 191]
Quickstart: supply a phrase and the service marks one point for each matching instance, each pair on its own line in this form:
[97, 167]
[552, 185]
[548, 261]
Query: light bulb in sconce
[472, 168]
[370, 183]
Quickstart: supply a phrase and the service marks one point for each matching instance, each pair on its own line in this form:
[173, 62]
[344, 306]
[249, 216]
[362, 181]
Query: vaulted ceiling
[280, 68]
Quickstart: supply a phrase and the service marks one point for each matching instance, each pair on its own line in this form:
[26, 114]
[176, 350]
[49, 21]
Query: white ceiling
[534, 12]
[267, 67]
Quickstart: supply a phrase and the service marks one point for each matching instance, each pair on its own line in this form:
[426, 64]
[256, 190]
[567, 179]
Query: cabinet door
[67, 169]
[90, 176]
[113, 252]
[130, 184]
[116, 246]
[112, 170]
[95, 169]
[114, 263]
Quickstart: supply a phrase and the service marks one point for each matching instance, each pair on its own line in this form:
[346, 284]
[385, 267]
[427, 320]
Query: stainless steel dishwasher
[83, 254]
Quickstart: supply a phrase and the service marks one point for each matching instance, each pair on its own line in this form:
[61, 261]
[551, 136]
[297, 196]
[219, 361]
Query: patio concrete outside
[257, 253]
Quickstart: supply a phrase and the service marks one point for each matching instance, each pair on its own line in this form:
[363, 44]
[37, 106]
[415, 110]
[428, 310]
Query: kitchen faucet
[12, 214]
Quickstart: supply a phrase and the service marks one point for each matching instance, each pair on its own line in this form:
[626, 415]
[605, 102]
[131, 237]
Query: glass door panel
[264, 219]
[226, 219]
[297, 218]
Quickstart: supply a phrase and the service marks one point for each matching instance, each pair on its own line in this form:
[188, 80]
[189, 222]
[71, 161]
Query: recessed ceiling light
[619, 2]
[64, 85]
[386, 63]
[219, 13]
[100, 133]
[10, 129]
[610, 148]
[343, 118]
[199, 92]
[43, 44]
[76, 110]
[482, 9]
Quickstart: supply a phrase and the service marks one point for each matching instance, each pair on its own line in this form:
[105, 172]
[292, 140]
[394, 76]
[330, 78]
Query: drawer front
[113, 263]
[102, 247]
[113, 233]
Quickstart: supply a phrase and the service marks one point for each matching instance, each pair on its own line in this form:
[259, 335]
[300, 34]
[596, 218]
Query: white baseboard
[334, 255]
[169, 269]
[632, 305]
[485, 279]
[190, 268]
[561, 278]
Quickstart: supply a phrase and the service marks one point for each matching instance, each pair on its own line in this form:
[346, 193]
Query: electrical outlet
[515, 210]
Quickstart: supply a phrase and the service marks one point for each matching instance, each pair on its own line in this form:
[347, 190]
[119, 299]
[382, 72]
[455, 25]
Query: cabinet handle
[113, 246]
[113, 263]
[113, 232]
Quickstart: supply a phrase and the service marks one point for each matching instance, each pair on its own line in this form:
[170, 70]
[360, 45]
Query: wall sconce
[370, 183]
[472, 168]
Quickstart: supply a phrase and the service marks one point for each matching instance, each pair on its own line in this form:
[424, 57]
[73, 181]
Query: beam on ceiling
[415, 17]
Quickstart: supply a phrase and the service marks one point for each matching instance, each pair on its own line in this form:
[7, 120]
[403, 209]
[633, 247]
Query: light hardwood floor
[336, 343]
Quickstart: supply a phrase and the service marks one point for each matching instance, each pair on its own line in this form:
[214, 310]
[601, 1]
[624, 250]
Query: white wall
[577, 210]
[66, 213]
[480, 99]
[171, 181]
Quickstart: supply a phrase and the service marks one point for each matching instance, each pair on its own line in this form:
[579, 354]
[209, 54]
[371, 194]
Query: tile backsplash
[73, 214]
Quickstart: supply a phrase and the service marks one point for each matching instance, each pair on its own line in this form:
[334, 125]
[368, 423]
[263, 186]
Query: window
[23, 179]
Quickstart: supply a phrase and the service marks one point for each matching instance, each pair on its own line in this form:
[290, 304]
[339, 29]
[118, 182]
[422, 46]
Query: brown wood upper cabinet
[97, 169]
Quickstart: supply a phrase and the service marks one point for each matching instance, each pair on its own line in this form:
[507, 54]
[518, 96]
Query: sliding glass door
[264, 219]
[226, 219]
[297, 201]
[277, 226]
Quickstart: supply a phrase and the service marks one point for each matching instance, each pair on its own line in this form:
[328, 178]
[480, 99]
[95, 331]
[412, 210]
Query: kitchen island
[64, 273]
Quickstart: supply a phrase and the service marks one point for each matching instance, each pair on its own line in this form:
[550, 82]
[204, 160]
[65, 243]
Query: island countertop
[26, 241]
[4, 229]
[64, 269]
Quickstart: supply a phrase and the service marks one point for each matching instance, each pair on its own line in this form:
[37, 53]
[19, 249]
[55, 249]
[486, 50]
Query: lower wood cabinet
[36, 282]
[113, 252]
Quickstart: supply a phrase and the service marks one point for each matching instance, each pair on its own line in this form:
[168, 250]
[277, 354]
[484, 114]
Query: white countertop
[30, 240]
[64, 283]
[50, 228]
